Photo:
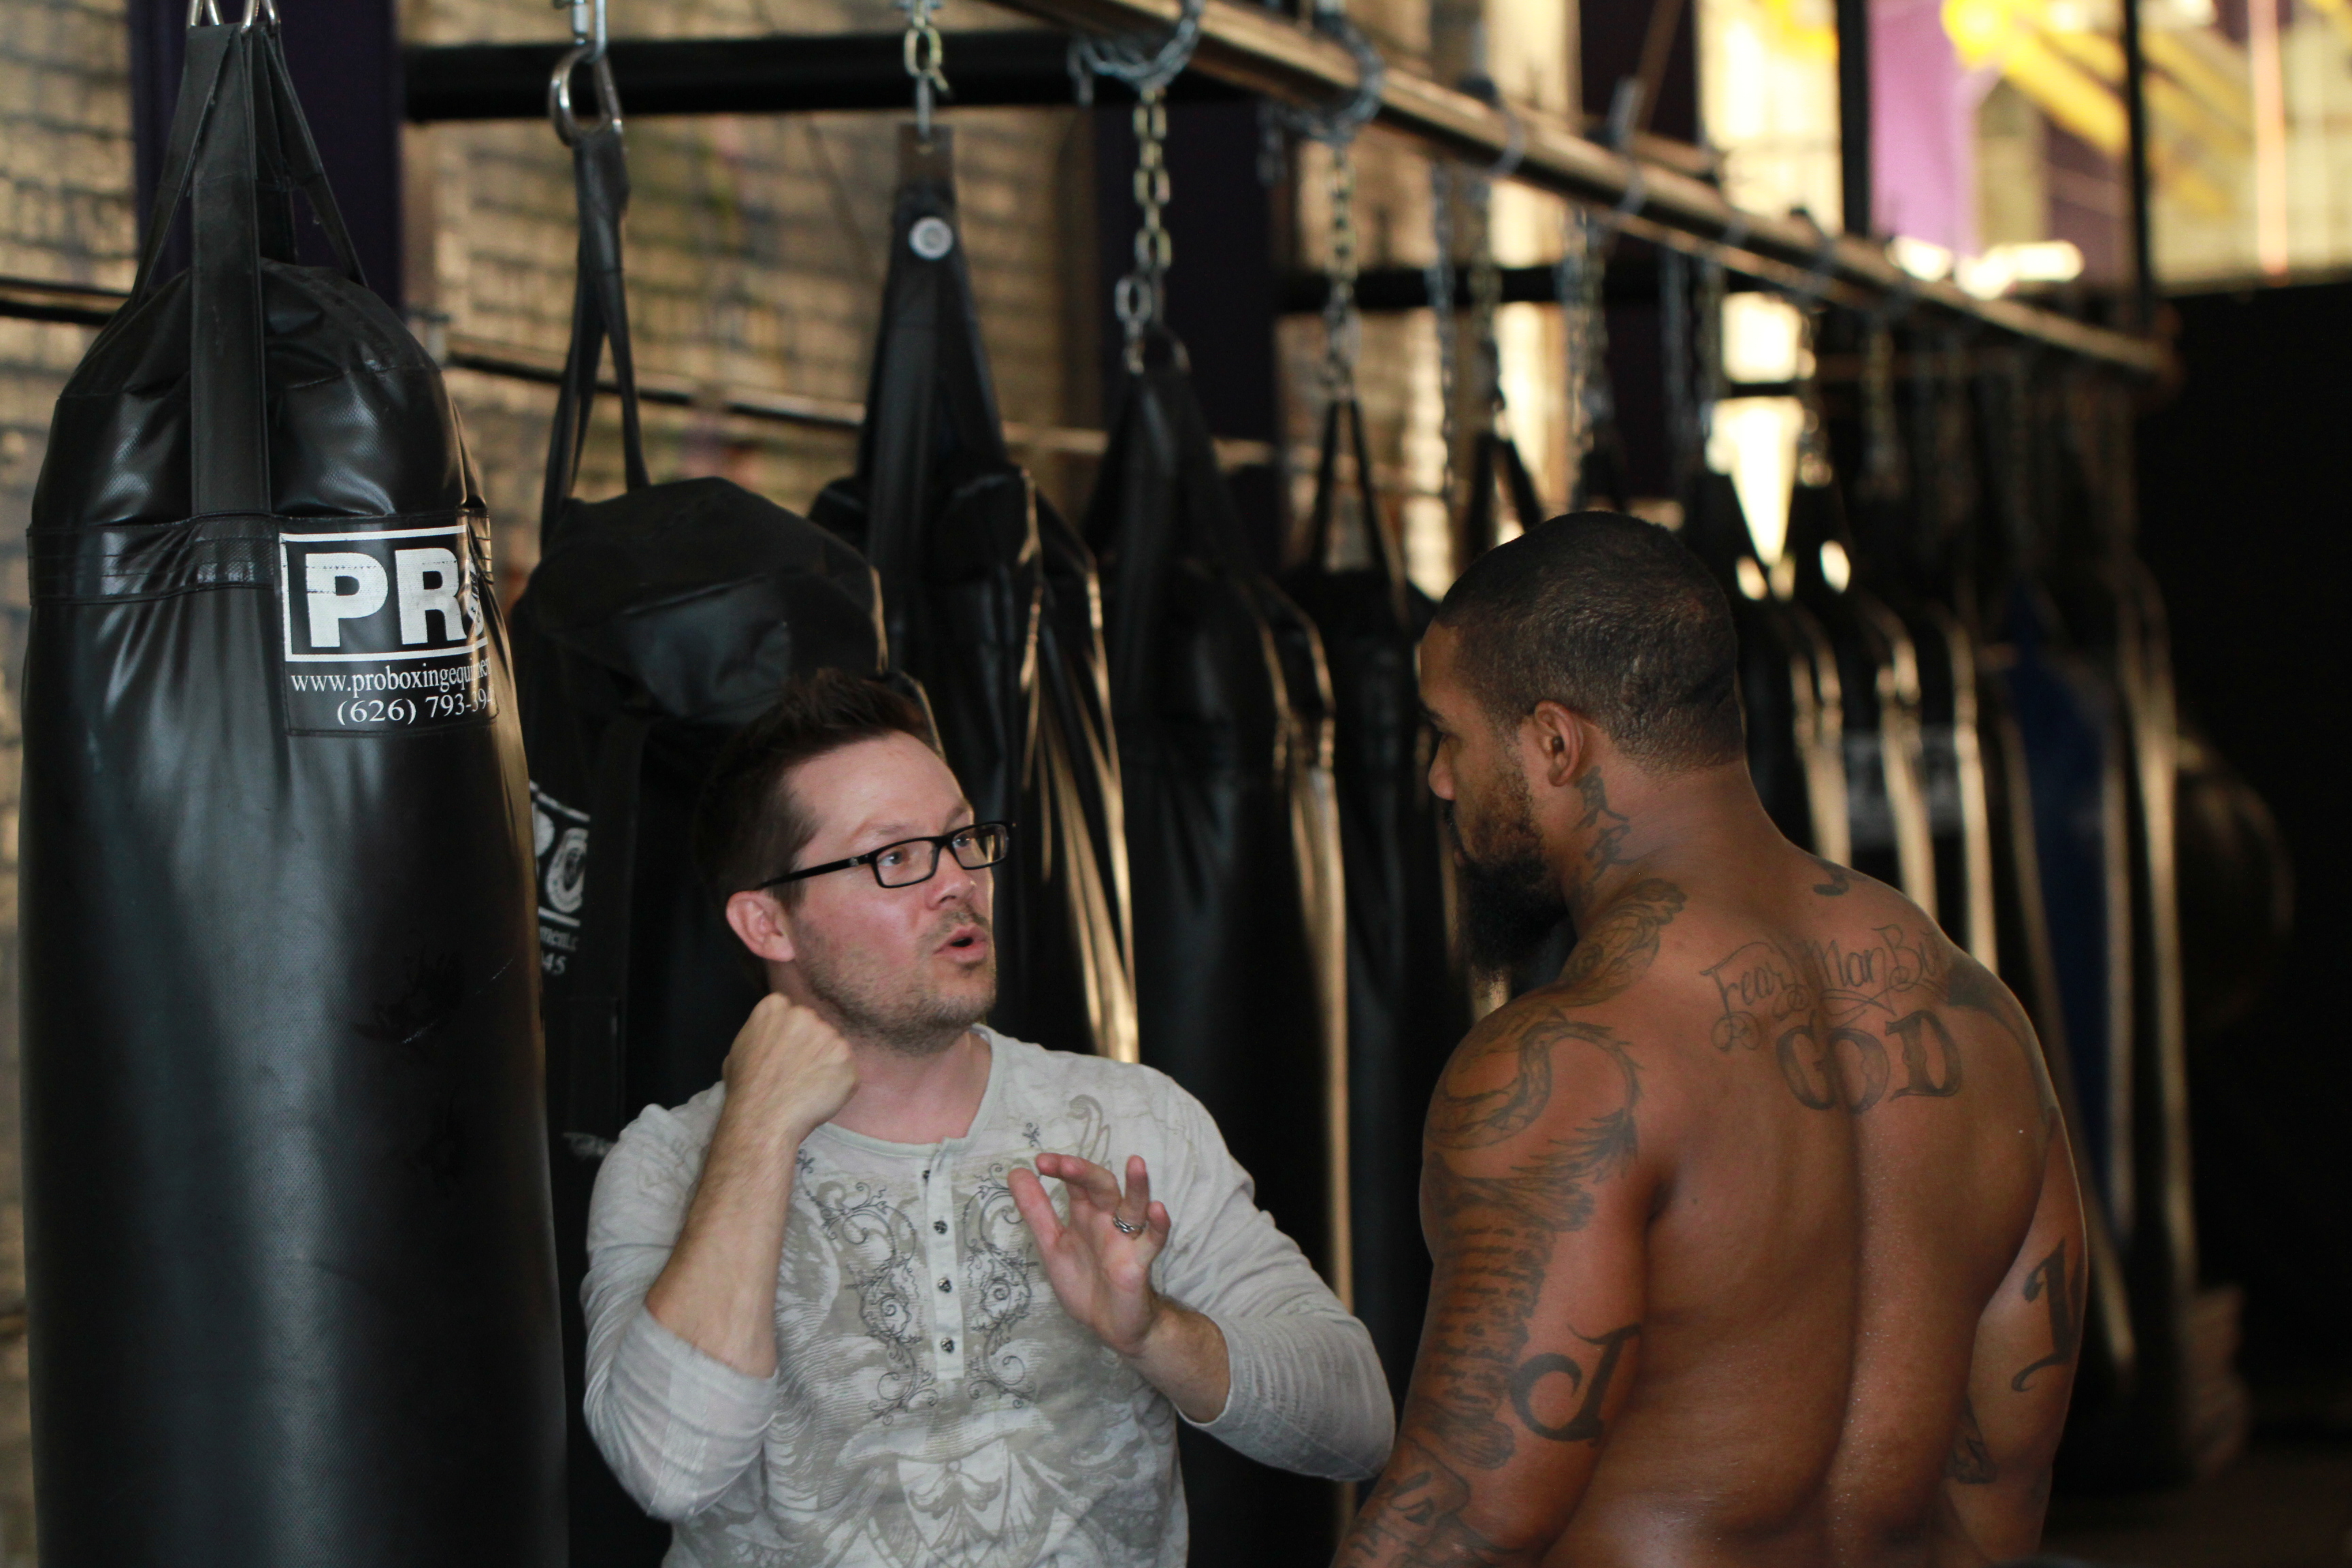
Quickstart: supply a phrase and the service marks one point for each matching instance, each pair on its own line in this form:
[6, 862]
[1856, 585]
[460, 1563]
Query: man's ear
[1558, 742]
[758, 921]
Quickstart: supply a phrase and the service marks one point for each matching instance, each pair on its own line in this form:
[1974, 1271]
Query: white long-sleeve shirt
[932, 1404]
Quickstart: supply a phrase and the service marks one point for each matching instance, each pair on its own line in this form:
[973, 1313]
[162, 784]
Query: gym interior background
[1994, 149]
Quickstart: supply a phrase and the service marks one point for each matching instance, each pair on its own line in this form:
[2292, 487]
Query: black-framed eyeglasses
[913, 860]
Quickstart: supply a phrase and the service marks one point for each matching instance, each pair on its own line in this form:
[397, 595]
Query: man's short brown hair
[747, 827]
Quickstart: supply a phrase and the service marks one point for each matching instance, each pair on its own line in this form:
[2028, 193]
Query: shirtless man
[1757, 1237]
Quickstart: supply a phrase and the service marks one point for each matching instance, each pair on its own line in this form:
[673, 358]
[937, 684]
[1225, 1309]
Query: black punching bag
[660, 621]
[1407, 1003]
[292, 1292]
[990, 602]
[1234, 919]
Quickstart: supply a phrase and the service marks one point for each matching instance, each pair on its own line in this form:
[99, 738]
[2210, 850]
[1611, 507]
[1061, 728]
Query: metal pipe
[2136, 148]
[773, 74]
[1258, 49]
[1855, 168]
[26, 298]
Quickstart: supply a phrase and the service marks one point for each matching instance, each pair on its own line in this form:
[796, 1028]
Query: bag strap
[1343, 418]
[288, 155]
[600, 313]
[594, 1033]
[1495, 457]
[200, 82]
[228, 438]
[297, 152]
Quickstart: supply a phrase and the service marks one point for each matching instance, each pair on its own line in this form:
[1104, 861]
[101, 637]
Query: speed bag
[291, 1267]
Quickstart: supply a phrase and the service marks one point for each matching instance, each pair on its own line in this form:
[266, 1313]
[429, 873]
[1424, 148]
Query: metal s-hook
[1334, 125]
[207, 13]
[1140, 62]
[588, 41]
[924, 53]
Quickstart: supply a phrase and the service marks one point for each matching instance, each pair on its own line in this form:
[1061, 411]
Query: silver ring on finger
[1125, 1228]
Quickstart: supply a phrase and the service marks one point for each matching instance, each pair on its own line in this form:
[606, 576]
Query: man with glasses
[835, 1314]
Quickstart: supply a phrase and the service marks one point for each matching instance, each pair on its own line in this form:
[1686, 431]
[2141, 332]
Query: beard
[1511, 903]
[872, 1001]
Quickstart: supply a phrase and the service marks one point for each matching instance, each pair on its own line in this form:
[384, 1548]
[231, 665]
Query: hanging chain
[1438, 278]
[1485, 299]
[926, 55]
[1138, 61]
[1813, 443]
[1883, 469]
[1674, 343]
[1707, 335]
[1343, 324]
[1584, 329]
[1141, 299]
[1335, 125]
[1141, 296]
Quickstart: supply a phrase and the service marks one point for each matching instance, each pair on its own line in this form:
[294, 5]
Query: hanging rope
[926, 58]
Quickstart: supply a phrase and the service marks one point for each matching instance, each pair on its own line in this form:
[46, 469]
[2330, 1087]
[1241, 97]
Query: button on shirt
[932, 1404]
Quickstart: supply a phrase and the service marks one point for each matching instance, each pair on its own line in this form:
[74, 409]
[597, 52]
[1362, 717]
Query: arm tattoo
[1413, 1517]
[1500, 1231]
[2066, 1298]
[1584, 1427]
[1970, 1461]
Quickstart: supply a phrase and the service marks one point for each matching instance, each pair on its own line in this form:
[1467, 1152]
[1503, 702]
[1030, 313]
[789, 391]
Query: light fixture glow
[1836, 570]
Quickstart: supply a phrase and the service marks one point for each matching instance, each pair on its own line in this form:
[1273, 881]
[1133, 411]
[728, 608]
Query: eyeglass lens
[918, 859]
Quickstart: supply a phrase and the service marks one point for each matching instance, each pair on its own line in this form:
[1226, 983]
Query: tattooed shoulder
[1500, 1082]
[1620, 946]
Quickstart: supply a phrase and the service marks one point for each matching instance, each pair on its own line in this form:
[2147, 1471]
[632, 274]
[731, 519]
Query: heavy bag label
[384, 631]
[559, 837]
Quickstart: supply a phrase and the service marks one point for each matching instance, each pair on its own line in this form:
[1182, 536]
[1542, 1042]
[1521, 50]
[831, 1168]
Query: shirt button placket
[939, 1251]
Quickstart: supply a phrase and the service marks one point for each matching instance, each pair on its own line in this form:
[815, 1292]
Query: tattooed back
[1756, 1242]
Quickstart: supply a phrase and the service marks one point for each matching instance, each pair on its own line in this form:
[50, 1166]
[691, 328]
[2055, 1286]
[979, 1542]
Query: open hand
[1101, 1273]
